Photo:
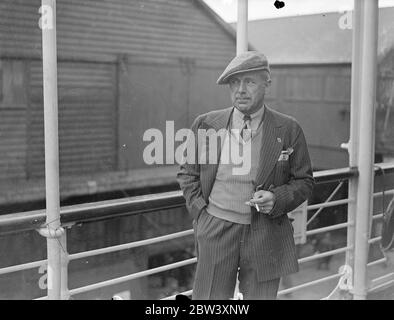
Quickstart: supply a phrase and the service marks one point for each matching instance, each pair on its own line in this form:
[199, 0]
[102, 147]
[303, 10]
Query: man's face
[248, 90]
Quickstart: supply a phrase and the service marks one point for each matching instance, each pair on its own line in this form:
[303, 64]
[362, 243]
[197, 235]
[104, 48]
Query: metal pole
[64, 259]
[366, 152]
[242, 26]
[354, 124]
[242, 46]
[49, 61]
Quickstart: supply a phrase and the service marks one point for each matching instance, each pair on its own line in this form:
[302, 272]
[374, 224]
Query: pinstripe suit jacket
[291, 182]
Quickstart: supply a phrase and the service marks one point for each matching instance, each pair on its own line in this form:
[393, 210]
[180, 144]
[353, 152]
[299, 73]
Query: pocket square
[284, 155]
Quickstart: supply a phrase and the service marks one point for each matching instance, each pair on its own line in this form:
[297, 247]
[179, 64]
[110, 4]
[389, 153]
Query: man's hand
[263, 201]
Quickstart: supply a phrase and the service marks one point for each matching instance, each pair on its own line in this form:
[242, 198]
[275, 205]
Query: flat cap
[244, 62]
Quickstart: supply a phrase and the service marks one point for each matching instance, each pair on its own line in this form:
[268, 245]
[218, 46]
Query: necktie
[246, 134]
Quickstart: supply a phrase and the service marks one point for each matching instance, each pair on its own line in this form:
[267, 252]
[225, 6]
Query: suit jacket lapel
[271, 146]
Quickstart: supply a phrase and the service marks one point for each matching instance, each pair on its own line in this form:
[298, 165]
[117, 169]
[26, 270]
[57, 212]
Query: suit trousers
[222, 248]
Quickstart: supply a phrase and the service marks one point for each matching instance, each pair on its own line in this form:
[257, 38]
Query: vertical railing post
[65, 295]
[369, 11]
[242, 46]
[354, 125]
[242, 26]
[49, 62]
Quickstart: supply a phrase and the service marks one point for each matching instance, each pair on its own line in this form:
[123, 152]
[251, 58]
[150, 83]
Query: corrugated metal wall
[12, 143]
[92, 36]
[154, 29]
[319, 98]
[13, 125]
[151, 95]
[87, 118]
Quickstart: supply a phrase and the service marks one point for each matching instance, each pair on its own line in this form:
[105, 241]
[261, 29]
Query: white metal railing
[329, 228]
[309, 284]
[130, 245]
[189, 232]
[191, 261]
[134, 276]
[360, 156]
[326, 202]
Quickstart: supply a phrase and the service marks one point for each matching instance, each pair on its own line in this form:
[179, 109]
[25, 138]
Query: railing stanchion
[369, 12]
[49, 62]
[354, 125]
[242, 26]
[242, 46]
[65, 295]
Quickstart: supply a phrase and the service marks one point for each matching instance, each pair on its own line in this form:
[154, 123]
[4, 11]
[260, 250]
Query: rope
[46, 231]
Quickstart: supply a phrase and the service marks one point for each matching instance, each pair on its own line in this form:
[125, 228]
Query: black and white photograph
[197, 155]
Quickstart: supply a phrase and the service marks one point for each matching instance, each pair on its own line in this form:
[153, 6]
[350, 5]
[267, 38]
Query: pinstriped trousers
[222, 247]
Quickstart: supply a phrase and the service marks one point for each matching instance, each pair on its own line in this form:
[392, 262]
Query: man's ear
[268, 82]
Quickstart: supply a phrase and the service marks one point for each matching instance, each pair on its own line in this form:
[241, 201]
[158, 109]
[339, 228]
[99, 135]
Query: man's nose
[242, 87]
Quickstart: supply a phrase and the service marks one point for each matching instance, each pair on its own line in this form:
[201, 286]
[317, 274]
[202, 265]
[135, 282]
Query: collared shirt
[238, 122]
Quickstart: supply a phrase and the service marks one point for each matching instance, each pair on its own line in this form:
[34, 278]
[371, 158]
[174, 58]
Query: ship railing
[112, 209]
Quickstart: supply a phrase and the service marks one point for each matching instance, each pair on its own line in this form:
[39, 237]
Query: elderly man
[240, 221]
